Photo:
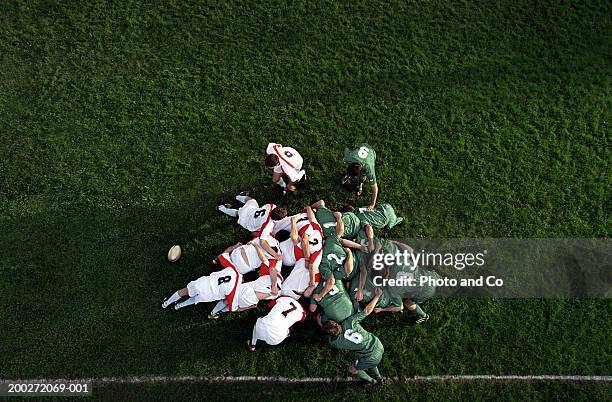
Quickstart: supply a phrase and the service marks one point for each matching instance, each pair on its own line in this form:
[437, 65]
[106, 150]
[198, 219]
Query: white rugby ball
[174, 253]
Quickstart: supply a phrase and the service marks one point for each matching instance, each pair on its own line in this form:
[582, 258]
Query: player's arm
[351, 244]
[266, 246]
[369, 231]
[273, 280]
[329, 284]
[318, 204]
[295, 237]
[232, 248]
[374, 197]
[310, 213]
[390, 309]
[276, 177]
[245, 308]
[348, 264]
[260, 252]
[339, 224]
[372, 304]
[306, 247]
[363, 273]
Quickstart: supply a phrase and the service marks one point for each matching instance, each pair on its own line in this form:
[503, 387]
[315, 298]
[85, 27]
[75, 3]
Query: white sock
[186, 303]
[242, 198]
[228, 211]
[220, 307]
[254, 338]
[175, 296]
[281, 183]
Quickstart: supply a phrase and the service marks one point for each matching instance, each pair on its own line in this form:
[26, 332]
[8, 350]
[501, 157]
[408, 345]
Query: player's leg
[252, 343]
[174, 297]
[360, 374]
[227, 210]
[220, 307]
[415, 309]
[243, 198]
[369, 237]
[188, 302]
[374, 373]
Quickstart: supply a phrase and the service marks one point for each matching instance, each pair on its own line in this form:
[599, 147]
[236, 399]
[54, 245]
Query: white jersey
[246, 294]
[290, 161]
[274, 327]
[246, 258]
[216, 286]
[254, 218]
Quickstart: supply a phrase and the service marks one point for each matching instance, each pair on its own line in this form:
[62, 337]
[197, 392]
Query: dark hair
[282, 235]
[271, 160]
[278, 213]
[348, 208]
[353, 169]
[332, 328]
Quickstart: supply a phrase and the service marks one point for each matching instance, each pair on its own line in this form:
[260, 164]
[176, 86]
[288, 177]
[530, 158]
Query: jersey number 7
[293, 308]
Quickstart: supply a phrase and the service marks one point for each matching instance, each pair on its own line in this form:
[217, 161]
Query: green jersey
[385, 300]
[336, 304]
[366, 157]
[334, 256]
[327, 220]
[351, 223]
[382, 217]
[354, 337]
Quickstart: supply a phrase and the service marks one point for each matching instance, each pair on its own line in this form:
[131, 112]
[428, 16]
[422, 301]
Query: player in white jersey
[216, 286]
[303, 250]
[248, 295]
[285, 161]
[257, 220]
[252, 256]
[274, 327]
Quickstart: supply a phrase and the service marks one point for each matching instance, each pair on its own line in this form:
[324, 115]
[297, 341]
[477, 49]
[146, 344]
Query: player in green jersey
[337, 305]
[350, 335]
[361, 165]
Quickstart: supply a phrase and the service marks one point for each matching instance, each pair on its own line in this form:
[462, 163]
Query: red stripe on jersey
[298, 253]
[258, 233]
[224, 262]
[315, 255]
[276, 147]
[303, 229]
[265, 269]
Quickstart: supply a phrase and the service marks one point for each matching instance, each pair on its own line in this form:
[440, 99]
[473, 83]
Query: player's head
[353, 169]
[278, 213]
[348, 208]
[332, 328]
[282, 235]
[271, 160]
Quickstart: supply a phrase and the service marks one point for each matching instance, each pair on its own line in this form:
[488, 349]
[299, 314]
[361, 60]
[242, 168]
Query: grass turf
[123, 125]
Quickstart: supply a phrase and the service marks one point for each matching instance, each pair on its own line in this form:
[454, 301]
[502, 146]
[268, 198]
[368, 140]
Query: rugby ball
[174, 253]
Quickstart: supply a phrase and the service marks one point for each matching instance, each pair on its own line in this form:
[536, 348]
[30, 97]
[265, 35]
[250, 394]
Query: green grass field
[124, 123]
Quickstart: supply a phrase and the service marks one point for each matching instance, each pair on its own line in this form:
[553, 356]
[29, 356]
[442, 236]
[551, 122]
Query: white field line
[287, 380]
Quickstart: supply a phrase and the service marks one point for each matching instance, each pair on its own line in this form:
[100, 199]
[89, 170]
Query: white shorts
[297, 281]
[246, 217]
[268, 333]
[203, 290]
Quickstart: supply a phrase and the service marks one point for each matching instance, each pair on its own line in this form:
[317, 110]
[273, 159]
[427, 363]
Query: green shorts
[370, 361]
